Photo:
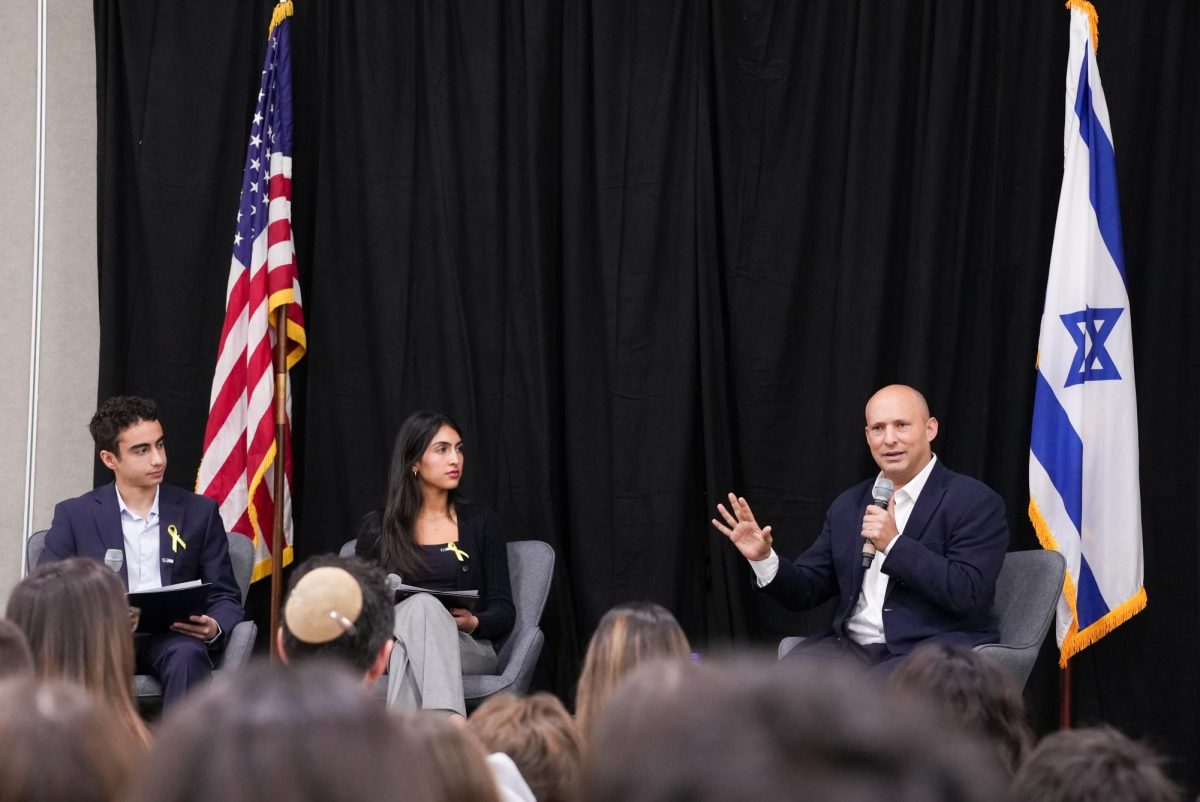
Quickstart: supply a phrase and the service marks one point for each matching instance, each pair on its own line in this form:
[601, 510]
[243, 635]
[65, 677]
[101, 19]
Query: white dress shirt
[865, 625]
[141, 546]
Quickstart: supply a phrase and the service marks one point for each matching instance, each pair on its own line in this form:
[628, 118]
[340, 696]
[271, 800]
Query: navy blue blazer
[942, 571]
[89, 525]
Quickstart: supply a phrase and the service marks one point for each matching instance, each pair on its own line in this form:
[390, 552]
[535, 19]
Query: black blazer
[485, 570]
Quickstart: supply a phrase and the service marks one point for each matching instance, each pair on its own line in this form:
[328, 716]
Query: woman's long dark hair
[398, 550]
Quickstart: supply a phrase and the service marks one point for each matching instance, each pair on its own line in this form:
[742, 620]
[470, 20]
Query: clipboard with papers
[465, 599]
[161, 607]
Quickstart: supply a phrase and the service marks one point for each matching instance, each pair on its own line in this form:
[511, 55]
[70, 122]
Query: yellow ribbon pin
[459, 553]
[176, 540]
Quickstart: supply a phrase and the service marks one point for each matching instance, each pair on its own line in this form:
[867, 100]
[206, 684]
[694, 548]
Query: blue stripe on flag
[1058, 448]
[1102, 186]
[1090, 606]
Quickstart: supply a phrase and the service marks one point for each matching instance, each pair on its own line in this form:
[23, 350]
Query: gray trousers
[430, 657]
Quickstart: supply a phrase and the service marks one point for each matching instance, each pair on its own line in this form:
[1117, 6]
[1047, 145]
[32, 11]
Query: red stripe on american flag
[280, 186]
[243, 524]
[280, 231]
[232, 471]
[235, 305]
[227, 399]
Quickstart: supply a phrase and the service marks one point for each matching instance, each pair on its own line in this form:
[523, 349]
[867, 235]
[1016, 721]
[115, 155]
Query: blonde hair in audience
[75, 615]
[627, 636]
[540, 736]
[61, 744]
[454, 760]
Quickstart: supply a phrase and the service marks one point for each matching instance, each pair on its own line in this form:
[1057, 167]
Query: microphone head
[393, 582]
[882, 492]
[114, 559]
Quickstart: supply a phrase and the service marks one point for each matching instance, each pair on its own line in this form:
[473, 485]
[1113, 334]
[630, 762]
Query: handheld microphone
[114, 559]
[881, 494]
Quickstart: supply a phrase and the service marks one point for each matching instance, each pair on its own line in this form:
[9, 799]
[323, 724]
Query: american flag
[237, 468]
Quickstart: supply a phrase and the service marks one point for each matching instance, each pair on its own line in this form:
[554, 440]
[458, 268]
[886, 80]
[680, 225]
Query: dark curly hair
[116, 415]
[972, 689]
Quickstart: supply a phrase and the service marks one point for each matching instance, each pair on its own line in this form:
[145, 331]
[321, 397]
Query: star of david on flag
[1084, 491]
[1092, 361]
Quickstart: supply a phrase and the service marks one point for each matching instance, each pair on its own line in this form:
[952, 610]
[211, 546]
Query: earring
[415, 471]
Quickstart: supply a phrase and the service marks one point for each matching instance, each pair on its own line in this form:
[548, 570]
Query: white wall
[45, 451]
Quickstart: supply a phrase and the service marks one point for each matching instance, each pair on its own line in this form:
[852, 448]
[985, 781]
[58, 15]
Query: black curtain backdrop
[648, 252]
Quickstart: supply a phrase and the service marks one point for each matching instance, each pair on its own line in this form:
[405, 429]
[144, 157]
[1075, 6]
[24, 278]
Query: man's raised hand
[741, 528]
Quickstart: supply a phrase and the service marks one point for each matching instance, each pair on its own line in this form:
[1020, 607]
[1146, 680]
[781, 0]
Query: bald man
[939, 547]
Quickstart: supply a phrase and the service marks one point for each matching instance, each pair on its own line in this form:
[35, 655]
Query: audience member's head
[304, 732]
[60, 744]
[339, 607]
[75, 615]
[974, 690]
[750, 730]
[453, 757]
[15, 658]
[628, 635]
[541, 738]
[1089, 764]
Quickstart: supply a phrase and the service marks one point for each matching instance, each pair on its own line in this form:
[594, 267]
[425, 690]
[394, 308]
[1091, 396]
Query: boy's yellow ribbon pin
[176, 541]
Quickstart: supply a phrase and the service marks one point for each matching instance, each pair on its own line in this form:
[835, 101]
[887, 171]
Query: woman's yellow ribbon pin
[459, 553]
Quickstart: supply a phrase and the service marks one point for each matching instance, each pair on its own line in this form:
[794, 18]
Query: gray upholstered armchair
[530, 569]
[1027, 592]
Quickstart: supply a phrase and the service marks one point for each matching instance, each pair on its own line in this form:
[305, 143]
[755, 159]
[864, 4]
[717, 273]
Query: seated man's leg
[177, 661]
[831, 648]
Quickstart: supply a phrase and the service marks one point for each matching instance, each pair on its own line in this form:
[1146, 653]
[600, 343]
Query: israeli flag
[1085, 499]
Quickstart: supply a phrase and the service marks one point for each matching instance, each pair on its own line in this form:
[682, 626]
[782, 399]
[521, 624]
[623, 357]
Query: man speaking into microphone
[916, 564]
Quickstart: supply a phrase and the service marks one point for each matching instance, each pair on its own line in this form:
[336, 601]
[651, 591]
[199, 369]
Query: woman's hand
[465, 620]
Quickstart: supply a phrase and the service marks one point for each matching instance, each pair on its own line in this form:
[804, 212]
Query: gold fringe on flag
[1075, 641]
[1093, 19]
[284, 10]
